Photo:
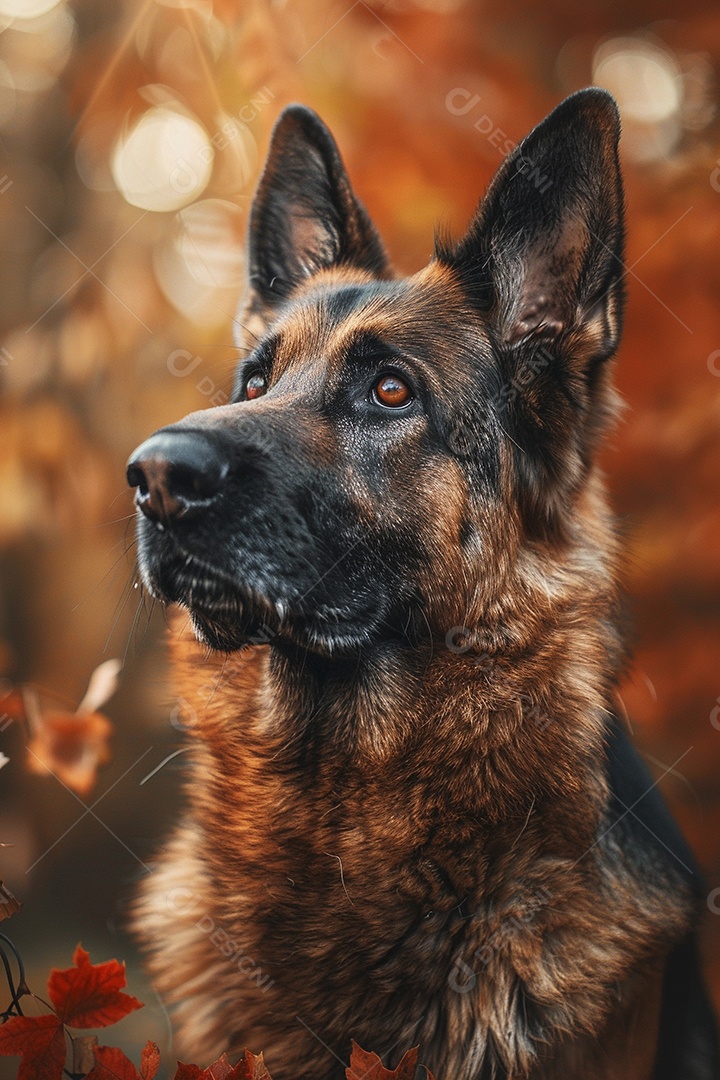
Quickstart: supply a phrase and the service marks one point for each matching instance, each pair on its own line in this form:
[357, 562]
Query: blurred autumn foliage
[131, 135]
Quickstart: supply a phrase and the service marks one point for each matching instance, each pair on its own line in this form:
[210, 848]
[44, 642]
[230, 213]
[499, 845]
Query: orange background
[97, 294]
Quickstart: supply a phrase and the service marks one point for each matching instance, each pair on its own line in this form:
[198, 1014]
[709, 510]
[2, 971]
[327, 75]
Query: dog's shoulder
[650, 838]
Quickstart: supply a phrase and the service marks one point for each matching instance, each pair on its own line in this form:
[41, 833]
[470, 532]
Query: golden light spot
[164, 162]
[26, 9]
[647, 84]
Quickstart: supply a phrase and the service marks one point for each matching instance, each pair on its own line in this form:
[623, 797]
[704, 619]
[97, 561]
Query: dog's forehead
[417, 315]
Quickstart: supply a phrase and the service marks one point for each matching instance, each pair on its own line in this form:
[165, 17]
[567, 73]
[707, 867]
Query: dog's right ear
[305, 217]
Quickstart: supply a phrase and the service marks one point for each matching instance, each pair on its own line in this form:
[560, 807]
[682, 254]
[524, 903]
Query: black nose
[177, 474]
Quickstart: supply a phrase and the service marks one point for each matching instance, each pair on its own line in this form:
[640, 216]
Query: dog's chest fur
[395, 897]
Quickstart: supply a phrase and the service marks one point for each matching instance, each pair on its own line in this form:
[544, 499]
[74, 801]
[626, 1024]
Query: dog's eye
[392, 392]
[256, 386]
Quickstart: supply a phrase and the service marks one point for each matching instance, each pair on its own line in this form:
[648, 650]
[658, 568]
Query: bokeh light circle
[201, 267]
[642, 76]
[26, 9]
[646, 81]
[164, 162]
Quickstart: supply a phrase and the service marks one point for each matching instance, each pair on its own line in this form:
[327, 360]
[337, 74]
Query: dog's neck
[507, 728]
[519, 725]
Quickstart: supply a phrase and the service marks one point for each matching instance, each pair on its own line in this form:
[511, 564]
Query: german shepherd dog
[414, 815]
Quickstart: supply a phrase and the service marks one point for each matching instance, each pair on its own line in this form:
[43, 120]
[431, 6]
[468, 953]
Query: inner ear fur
[543, 256]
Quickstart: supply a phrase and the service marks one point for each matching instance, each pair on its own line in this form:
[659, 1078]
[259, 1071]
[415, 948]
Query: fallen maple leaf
[112, 1064]
[84, 996]
[250, 1067]
[367, 1066]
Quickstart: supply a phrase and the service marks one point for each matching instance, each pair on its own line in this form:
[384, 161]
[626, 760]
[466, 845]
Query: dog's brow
[368, 345]
[262, 356]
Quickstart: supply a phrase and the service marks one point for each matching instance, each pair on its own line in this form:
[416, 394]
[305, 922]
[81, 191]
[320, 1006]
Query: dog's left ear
[543, 256]
[305, 216]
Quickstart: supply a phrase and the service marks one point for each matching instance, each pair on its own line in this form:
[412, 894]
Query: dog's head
[391, 443]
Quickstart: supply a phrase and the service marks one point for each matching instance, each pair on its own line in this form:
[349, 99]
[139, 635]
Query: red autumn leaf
[250, 1067]
[89, 995]
[112, 1064]
[73, 746]
[149, 1060]
[255, 1067]
[39, 1041]
[366, 1066]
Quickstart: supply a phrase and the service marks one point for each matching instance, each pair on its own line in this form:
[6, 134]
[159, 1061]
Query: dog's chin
[225, 615]
[224, 635]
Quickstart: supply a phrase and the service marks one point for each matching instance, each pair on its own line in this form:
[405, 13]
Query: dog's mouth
[226, 614]
[229, 613]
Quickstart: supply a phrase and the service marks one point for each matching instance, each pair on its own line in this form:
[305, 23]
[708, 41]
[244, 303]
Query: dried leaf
[9, 904]
[83, 1053]
[112, 1064]
[149, 1061]
[255, 1068]
[73, 747]
[367, 1066]
[187, 1072]
[250, 1067]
